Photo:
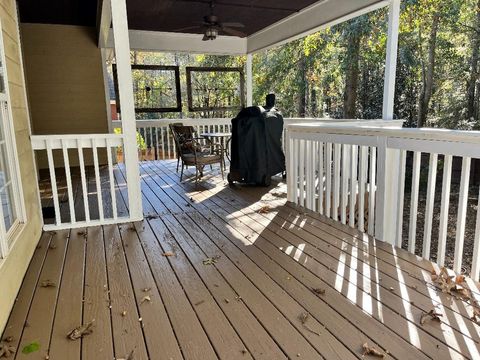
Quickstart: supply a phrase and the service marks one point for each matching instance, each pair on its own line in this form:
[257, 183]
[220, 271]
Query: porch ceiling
[267, 22]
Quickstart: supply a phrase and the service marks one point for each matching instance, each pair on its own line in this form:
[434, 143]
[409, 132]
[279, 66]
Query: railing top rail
[427, 134]
[76, 136]
[165, 122]
[39, 142]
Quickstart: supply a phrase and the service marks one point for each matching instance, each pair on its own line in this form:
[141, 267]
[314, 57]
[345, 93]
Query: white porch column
[125, 90]
[388, 159]
[249, 79]
[391, 60]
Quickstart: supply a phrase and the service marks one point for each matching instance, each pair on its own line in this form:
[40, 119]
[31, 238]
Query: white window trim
[7, 239]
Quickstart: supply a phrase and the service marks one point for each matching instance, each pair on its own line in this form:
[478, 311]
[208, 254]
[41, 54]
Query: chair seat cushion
[202, 158]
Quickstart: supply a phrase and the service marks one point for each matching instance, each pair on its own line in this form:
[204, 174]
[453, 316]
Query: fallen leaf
[81, 331]
[7, 350]
[168, 253]
[460, 279]
[318, 291]
[145, 298]
[199, 302]
[52, 245]
[32, 347]
[432, 315]
[47, 283]
[146, 289]
[129, 357]
[211, 261]
[264, 209]
[367, 350]
[8, 339]
[303, 319]
[124, 313]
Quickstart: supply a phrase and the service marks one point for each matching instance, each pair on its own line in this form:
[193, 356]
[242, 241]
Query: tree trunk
[313, 102]
[302, 85]
[472, 81]
[351, 77]
[428, 73]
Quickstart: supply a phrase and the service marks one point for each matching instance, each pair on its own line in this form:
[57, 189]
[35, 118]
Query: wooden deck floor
[210, 275]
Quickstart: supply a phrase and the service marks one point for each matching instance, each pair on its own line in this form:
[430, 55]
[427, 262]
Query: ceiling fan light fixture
[211, 33]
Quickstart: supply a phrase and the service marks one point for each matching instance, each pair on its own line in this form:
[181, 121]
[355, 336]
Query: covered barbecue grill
[256, 147]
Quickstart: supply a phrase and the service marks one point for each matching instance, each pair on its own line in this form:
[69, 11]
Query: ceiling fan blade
[233, 32]
[233, 24]
[188, 28]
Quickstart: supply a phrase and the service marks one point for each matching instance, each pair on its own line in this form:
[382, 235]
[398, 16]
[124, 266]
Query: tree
[428, 68]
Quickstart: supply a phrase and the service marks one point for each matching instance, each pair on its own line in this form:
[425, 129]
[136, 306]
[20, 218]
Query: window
[11, 202]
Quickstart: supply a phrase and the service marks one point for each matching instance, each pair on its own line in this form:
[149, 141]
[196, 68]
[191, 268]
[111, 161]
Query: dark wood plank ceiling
[164, 15]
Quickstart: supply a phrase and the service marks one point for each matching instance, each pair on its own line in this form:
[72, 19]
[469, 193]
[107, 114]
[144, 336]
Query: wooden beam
[320, 15]
[188, 43]
[125, 90]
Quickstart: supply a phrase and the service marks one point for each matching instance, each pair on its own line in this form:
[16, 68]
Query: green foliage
[141, 144]
[30, 348]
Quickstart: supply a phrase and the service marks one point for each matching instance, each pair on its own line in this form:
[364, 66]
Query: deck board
[246, 305]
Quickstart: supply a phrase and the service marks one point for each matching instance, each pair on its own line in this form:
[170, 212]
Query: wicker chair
[195, 151]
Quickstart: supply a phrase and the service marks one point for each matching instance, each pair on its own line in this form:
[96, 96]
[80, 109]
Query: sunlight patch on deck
[414, 337]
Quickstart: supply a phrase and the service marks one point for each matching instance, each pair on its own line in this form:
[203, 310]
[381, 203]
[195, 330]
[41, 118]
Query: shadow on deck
[233, 273]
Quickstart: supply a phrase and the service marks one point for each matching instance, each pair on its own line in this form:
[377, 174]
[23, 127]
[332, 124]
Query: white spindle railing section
[61, 152]
[357, 174]
[158, 138]
[159, 141]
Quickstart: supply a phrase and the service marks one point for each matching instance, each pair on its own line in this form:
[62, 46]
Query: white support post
[125, 90]
[249, 79]
[391, 159]
[391, 59]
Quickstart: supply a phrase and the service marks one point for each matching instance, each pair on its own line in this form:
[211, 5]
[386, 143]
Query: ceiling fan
[213, 26]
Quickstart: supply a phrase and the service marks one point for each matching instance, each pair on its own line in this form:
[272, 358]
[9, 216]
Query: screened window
[10, 191]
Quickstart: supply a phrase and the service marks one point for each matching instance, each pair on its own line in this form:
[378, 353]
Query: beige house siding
[14, 266]
[63, 67]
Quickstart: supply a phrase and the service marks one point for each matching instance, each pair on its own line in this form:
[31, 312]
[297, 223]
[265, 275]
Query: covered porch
[219, 272]
[328, 263]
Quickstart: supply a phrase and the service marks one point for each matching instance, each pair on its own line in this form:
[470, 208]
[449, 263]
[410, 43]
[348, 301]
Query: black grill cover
[256, 147]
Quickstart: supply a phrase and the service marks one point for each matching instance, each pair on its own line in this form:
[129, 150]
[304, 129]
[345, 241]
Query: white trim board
[320, 15]
[179, 42]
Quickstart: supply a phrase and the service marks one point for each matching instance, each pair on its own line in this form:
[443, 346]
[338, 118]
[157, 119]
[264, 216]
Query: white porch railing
[158, 137]
[159, 141]
[357, 175]
[63, 150]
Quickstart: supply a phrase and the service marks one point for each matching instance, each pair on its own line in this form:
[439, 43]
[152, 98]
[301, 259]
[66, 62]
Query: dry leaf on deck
[129, 357]
[318, 291]
[211, 261]
[168, 253]
[476, 312]
[432, 315]
[304, 318]
[47, 283]
[81, 331]
[367, 350]
[264, 209]
[145, 298]
[7, 350]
